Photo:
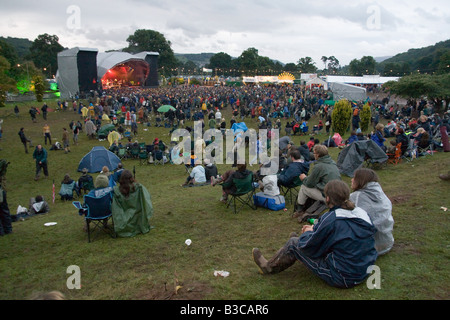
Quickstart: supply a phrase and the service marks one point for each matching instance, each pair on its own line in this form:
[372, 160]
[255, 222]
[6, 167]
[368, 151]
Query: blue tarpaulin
[237, 127]
[97, 158]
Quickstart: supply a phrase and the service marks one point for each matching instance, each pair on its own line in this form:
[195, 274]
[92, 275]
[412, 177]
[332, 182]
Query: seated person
[118, 172]
[422, 138]
[330, 143]
[38, 205]
[338, 248]
[360, 136]
[158, 154]
[400, 137]
[114, 148]
[352, 138]
[5, 214]
[210, 170]
[85, 182]
[392, 146]
[68, 186]
[293, 170]
[368, 195]
[197, 175]
[131, 207]
[304, 150]
[310, 144]
[378, 137]
[102, 187]
[324, 170]
[228, 186]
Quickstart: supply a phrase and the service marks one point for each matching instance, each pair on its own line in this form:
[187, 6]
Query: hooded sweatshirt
[372, 199]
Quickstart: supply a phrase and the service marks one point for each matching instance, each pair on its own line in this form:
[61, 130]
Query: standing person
[47, 134]
[5, 215]
[368, 195]
[44, 111]
[338, 248]
[76, 131]
[65, 140]
[33, 112]
[16, 111]
[40, 156]
[24, 139]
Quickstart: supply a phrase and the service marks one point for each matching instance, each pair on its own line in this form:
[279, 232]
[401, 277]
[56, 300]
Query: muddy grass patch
[400, 199]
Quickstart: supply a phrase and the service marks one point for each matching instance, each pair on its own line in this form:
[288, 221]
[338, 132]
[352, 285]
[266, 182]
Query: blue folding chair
[98, 211]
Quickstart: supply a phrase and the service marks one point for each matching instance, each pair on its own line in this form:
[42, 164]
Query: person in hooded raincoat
[368, 195]
[131, 207]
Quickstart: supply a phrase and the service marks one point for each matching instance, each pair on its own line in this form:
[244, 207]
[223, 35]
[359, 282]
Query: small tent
[353, 156]
[97, 158]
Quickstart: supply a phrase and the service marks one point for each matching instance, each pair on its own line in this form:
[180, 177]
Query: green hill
[21, 45]
[428, 59]
[200, 59]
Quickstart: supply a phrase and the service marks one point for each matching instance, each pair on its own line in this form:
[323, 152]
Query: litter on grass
[221, 273]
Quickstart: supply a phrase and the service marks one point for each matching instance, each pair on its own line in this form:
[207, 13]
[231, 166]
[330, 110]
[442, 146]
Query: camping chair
[98, 211]
[122, 153]
[244, 193]
[134, 151]
[396, 157]
[292, 190]
[425, 151]
[411, 152]
[143, 154]
[87, 185]
[158, 157]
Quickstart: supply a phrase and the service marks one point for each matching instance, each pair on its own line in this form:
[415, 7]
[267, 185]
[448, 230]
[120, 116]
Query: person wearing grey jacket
[368, 195]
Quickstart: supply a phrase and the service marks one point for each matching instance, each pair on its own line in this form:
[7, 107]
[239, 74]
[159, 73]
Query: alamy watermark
[236, 143]
[374, 280]
[73, 21]
[73, 281]
[373, 22]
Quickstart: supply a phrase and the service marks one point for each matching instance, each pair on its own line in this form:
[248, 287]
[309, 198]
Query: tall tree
[306, 65]
[248, 61]
[367, 65]
[150, 40]
[7, 84]
[44, 53]
[221, 62]
[417, 86]
[333, 64]
[324, 60]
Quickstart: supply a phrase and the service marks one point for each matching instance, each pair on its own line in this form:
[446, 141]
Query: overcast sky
[284, 30]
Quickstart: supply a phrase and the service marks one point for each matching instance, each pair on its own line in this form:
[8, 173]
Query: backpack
[274, 203]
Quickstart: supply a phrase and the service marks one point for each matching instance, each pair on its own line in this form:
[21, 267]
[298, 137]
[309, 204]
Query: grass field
[159, 265]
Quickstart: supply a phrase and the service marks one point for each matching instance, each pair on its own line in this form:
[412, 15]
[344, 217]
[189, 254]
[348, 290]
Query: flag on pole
[53, 191]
